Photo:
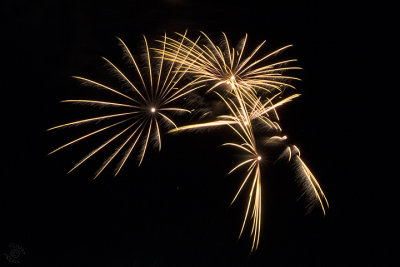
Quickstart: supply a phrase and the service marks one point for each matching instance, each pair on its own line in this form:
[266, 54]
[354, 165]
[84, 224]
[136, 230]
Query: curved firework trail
[249, 84]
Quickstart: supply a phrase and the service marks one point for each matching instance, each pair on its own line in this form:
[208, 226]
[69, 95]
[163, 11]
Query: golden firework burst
[223, 64]
[250, 87]
[147, 106]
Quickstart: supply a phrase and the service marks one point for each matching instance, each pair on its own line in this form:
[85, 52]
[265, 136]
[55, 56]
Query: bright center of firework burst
[259, 158]
[231, 81]
[153, 110]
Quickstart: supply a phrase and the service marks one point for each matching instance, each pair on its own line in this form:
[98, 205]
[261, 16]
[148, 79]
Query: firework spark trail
[311, 187]
[245, 132]
[150, 102]
[259, 111]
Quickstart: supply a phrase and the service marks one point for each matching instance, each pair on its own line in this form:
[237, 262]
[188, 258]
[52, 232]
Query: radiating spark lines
[151, 101]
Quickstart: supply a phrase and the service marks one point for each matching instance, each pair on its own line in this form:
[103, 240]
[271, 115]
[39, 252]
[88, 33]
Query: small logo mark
[15, 253]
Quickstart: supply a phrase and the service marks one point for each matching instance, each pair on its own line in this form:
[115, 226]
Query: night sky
[174, 209]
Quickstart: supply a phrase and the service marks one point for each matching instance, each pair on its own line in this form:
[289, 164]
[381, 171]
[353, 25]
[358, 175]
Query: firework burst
[240, 120]
[147, 106]
[219, 64]
[250, 88]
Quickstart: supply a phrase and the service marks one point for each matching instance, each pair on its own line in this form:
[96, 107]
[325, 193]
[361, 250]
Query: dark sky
[174, 209]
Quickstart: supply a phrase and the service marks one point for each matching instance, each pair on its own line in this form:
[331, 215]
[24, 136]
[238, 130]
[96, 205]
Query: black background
[174, 209]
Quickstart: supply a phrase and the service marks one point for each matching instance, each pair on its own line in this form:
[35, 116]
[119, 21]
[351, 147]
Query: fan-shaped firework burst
[146, 106]
[223, 64]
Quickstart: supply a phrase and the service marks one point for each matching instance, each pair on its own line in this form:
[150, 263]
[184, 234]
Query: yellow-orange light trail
[306, 177]
[240, 114]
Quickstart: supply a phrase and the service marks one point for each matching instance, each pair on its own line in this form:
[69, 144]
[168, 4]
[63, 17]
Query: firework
[223, 64]
[247, 84]
[147, 106]
[240, 120]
